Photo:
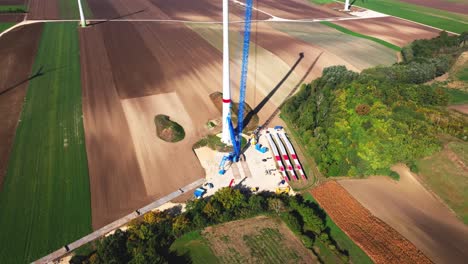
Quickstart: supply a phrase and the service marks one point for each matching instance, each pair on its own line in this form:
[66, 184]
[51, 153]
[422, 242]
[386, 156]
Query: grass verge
[352, 33]
[45, 201]
[445, 176]
[344, 242]
[425, 15]
[13, 9]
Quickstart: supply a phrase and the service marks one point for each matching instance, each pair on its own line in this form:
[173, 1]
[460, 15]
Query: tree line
[148, 239]
[361, 124]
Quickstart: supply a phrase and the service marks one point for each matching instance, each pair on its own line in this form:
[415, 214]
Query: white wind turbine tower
[226, 137]
[82, 18]
[346, 5]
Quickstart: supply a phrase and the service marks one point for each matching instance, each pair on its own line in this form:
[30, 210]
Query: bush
[292, 222]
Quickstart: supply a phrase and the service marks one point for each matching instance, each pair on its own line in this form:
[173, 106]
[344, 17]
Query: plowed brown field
[296, 9]
[116, 183]
[11, 2]
[43, 9]
[11, 17]
[394, 30]
[17, 52]
[132, 72]
[380, 241]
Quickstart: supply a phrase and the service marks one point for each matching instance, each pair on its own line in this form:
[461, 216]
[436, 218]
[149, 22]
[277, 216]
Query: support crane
[236, 134]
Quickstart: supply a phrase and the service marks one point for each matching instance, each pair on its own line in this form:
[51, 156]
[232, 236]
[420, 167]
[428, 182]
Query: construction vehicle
[236, 134]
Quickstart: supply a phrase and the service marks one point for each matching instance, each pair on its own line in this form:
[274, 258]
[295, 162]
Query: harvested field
[11, 17]
[358, 52]
[204, 10]
[117, 186]
[43, 9]
[448, 5]
[12, 2]
[391, 29]
[157, 158]
[17, 51]
[170, 87]
[410, 209]
[114, 9]
[380, 241]
[296, 9]
[257, 240]
[266, 70]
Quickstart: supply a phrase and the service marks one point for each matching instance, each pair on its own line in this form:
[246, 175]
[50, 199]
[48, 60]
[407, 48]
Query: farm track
[380, 241]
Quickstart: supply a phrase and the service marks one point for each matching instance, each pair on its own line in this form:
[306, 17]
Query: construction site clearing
[258, 170]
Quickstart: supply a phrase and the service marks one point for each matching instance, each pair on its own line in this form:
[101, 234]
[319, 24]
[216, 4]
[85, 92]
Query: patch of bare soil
[447, 5]
[203, 10]
[11, 17]
[460, 108]
[380, 241]
[296, 9]
[391, 29]
[17, 52]
[229, 242]
[12, 2]
[413, 211]
[117, 186]
[43, 9]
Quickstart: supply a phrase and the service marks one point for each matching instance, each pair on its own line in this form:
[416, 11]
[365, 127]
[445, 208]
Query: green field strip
[352, 33]
[45, 200]
[429, 16]
[6, 25]
[13, 8]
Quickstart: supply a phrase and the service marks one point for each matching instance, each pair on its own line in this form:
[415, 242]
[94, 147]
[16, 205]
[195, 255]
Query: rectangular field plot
[45, 200]
[255, 240]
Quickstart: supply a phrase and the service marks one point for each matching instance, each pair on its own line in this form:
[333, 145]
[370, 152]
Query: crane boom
[244, 70]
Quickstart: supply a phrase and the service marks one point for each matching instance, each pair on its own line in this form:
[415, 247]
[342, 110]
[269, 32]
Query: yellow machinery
[253, 140]
[281, 190]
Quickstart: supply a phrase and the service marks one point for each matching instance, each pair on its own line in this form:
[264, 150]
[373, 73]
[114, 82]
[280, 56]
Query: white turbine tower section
[346, 5]
[226, 136]
[82, 18]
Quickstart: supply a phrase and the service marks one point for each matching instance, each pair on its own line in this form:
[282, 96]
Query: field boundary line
[118, 223]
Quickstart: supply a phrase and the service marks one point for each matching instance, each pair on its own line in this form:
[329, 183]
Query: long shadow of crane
[268, 120]
[272, 92]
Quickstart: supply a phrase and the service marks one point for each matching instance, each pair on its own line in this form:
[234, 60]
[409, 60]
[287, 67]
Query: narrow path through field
[118, 223]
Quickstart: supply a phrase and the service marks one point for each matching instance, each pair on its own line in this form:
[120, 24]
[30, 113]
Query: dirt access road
[17, 52]
[409, 208]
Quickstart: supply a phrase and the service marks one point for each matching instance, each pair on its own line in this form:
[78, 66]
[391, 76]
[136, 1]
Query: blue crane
[236, 134]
